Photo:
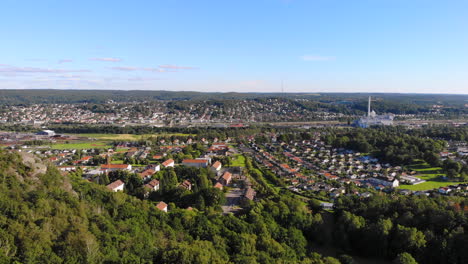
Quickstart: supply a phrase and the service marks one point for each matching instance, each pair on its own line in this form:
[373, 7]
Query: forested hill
[36, 96]
[50, 218]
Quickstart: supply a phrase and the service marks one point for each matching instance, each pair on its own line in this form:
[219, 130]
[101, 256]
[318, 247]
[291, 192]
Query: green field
[432, 175]
[238, 161]
[82, 145]
[130, 137]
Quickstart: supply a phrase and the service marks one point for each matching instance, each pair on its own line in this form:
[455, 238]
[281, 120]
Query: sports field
[434, 177]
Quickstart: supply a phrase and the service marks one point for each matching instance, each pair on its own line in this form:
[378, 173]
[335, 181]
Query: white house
[153, 185]
[198, 163]
[115, 167]
[162, 206]
[168, 163]
[116, 186]
[216, 167]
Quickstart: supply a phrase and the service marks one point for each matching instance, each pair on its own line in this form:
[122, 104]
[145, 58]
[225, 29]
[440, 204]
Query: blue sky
[245, 46]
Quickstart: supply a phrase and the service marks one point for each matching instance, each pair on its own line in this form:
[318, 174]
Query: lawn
[129, 137]
[429, 185]
[238, 161]
[432, 175]
[82, 145]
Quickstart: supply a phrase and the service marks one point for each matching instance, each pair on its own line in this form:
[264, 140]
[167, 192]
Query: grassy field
[129, 137]
[238, 161]
[82, 145]
[432, 175]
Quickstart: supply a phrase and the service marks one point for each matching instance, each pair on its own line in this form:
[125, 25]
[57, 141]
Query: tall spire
[368, 107]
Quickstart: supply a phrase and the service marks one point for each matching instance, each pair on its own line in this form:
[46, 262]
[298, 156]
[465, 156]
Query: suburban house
[162, 206]
[153, 185]
[226, 178]
[385, 182]
[158, 156]
[197, 163]
[216, 167]
[146, 174]
[155, 167]
[249, 193]
[186, 185]
[116, 167]
[168, 163]
[218, 185]
[444, 190]
[84, 160]
[116, 186]
[218, 148]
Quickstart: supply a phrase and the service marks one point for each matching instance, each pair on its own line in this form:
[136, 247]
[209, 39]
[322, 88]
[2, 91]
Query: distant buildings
[372, 119]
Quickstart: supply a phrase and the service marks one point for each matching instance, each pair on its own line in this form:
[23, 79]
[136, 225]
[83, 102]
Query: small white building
[216, 167]
[168, 163]
[116, 167]
[162, 206]
[116, 186]
[197, 163]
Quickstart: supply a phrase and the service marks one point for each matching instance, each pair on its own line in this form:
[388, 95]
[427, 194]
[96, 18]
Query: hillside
[50, 218]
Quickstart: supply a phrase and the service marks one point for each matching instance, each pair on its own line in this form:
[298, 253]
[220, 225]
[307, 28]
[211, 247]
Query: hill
[47, 217]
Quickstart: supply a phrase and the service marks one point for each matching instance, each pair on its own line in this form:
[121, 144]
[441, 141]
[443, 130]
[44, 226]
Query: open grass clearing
[128, 137]
[238, 161]
[82, 145]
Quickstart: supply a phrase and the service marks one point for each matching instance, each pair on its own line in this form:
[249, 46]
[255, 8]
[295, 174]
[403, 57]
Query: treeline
[432, 230]
[348, 104]
[388, 144]
[442, 132]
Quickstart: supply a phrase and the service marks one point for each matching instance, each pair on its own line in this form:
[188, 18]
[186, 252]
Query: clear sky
[236, 45]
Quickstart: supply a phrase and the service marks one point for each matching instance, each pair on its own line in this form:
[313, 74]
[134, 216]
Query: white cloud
[14, 69]
[106, 59]
[127, 68]
[176, 67]
[121, 68]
